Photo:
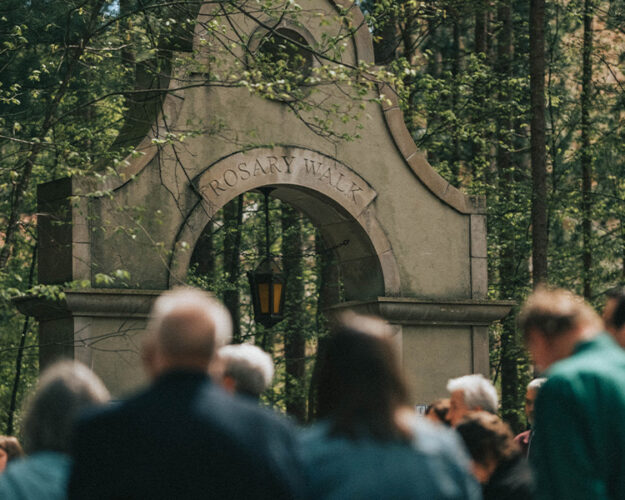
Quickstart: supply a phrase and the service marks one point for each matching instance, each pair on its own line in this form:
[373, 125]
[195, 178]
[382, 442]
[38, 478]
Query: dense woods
[521, 102]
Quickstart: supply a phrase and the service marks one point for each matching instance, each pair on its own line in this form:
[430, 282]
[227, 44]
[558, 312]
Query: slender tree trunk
[385, 37]
[409, 30]
[434, 69]
[479, 157]
[538, 140]
[20, 355]
[508, 255]
[329, 293]
[586, 155]
[295, 336]
[233, 220]
[481, 25]
[455, 70]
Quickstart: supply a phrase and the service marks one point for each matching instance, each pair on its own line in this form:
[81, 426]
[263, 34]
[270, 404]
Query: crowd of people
[198, 430]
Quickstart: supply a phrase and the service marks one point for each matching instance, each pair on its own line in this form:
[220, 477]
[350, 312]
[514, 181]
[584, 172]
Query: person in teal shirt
[578, 447]
[369, 444]
[64, 390]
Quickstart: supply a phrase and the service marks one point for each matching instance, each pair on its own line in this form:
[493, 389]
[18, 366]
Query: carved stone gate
[417, 252]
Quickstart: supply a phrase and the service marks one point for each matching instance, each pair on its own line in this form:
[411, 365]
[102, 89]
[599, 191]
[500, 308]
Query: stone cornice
[409, 311]
[104, 302]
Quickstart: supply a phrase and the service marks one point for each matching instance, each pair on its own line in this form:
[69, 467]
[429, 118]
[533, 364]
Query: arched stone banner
[331, 194]
[244, 171]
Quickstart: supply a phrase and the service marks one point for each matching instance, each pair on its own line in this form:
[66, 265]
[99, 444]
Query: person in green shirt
[578, 447]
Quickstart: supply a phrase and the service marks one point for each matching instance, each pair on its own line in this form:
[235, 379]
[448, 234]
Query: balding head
[185, 328]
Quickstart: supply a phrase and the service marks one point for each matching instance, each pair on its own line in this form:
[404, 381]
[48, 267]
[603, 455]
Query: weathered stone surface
[479, 278]
[478, 236]
[432, 355]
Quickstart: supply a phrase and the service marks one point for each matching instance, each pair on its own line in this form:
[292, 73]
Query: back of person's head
[11, 447]
[186, 326]
[616, 319]
[64, 390]
[536, 384]
[437, 411]
[478, 391]
[556, 312]
[248, 366]
[360, 387]
[487, 438]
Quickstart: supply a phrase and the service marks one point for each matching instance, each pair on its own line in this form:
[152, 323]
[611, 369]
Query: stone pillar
[438, 340]
[103, 328]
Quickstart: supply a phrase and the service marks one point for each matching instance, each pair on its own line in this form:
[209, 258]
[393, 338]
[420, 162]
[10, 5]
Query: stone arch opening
[356, 273]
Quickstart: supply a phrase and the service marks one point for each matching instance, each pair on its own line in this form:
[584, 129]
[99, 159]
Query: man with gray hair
[247, 369]
[524, 438]
[184, 437]
[470, 393]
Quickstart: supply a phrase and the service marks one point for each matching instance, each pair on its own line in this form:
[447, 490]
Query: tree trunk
[538, 137]
[385, 33]
[233, 220]
[294, 330]
[455, 70]
[434, 65]
[586, 155]
[481, 25]
[479, 157]
[20, 355]
[508, 257]
[329, 293]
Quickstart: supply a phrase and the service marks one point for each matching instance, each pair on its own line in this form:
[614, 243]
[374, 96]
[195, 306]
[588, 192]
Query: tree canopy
[82, 82]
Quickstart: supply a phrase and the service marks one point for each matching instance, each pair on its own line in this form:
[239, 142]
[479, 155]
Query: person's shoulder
[315, 433]
[316, 440]
[112, 413]
[600, 356]
[98, 415]
[589, 375]
[242, 417]
[512, 479]
[29, 474]
[436, 439]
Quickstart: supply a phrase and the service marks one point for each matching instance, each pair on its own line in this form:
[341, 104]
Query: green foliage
[299, 262]
[83, 81]
[78, 77]
[468, 107]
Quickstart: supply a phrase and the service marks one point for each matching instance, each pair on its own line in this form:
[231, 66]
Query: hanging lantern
[267, 282]
[267, 287]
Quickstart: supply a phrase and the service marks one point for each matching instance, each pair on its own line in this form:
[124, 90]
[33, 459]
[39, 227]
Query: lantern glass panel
[277, 294]
[263, 297]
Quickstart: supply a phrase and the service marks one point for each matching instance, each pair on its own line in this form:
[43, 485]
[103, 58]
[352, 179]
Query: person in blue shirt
[368, 442]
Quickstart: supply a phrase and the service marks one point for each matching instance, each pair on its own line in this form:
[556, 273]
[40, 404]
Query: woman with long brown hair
[368, 442]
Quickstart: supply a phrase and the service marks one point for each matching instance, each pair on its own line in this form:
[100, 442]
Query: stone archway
[417, 253]
[332, 195]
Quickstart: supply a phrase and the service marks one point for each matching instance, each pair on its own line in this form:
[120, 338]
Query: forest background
[521, 102]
